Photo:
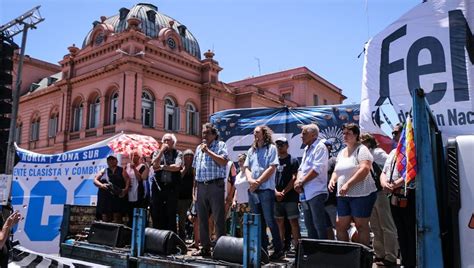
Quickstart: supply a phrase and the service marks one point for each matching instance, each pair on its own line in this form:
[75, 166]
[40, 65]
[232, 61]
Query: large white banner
[42, 184]
[430, 47]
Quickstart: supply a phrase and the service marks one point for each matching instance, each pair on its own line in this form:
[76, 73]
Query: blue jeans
[315, 217]
[264, 201]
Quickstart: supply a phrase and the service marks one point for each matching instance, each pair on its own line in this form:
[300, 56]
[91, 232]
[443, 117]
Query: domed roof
[151, 23]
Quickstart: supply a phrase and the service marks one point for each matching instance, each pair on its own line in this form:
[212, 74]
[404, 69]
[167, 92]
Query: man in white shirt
[311, 182]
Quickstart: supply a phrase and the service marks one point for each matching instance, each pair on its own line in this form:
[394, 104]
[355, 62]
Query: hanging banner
[236, 126]
[42, 184]
[430, 47]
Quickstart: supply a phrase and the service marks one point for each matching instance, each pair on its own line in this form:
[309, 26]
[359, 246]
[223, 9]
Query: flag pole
[429, 253]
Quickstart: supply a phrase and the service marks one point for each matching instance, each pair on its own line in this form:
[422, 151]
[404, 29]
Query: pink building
[141, 71]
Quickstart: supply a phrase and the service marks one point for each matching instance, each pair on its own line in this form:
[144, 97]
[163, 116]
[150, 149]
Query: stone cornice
[212, 66]
[172, 78]
[163, 54]
[89, 53]
[253, 90]
[301, 73]
[274, 99]
[95, 73]
[38, 63]
[92, 54]
[137, 63]
[311, 75]
[39, 94]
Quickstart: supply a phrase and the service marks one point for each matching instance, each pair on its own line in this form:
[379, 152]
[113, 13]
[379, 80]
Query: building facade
[141, 72]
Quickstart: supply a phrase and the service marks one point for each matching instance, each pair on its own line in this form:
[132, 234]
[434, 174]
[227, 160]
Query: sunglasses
[394, 133]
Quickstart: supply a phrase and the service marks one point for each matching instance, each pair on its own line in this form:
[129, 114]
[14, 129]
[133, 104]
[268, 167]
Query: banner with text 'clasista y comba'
[42, 184]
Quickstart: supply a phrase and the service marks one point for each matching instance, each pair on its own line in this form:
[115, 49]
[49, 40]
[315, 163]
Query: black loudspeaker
[231, 249]
[163, 242]
[110, 234]
[332, 254]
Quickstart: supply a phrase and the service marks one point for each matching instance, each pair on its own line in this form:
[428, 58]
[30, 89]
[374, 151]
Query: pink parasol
[133, 143]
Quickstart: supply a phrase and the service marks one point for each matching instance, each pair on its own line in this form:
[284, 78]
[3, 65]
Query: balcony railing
[91, 133]
[74, 135]
[109, 129]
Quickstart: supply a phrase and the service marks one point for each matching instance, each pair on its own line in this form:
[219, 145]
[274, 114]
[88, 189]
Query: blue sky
[324, 35]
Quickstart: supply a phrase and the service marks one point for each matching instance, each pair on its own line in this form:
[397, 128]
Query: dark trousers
[263, 202]
[164, 205]
[405, 220]
[315, 217]
[210, 199]
[183, 207]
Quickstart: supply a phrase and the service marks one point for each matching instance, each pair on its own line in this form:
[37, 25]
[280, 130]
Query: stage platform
[120, 257]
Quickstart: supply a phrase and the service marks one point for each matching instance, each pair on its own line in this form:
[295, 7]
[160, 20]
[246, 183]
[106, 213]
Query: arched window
[113, 108]
[53, 125]
[34, 130]
[192, 120]
[77, 117]
[94, 113]
[148, 110]
[18, 132]
[171, 115]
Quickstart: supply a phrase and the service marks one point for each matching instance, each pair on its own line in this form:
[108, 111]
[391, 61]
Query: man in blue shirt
[311, 182]
[260, 167]
[210, 164]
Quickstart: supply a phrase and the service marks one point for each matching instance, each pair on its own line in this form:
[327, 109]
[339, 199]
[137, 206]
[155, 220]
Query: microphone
[203, 143]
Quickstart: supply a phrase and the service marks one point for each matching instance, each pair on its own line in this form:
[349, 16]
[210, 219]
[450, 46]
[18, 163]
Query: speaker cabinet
[231, 249]
[332, 254]
[110, 234]
[163, 242]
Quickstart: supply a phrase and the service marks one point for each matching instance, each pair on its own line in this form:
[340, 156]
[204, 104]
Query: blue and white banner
[42, 184]
[236, 126]
[430, 47]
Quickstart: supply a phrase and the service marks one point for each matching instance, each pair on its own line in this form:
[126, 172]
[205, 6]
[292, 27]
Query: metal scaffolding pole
[28, 20]
[15, 101]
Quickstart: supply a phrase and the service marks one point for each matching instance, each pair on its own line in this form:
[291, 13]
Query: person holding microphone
[210, 162]
[167, 165]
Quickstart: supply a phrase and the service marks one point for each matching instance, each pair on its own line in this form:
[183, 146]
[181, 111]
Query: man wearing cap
[210, 163]
[286, 205]
[185, 191]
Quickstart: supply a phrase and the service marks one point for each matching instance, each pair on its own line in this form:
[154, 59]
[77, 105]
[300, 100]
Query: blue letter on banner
[33, 227]
[83, 193]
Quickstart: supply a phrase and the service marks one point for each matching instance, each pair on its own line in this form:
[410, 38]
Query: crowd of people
[336, 194]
